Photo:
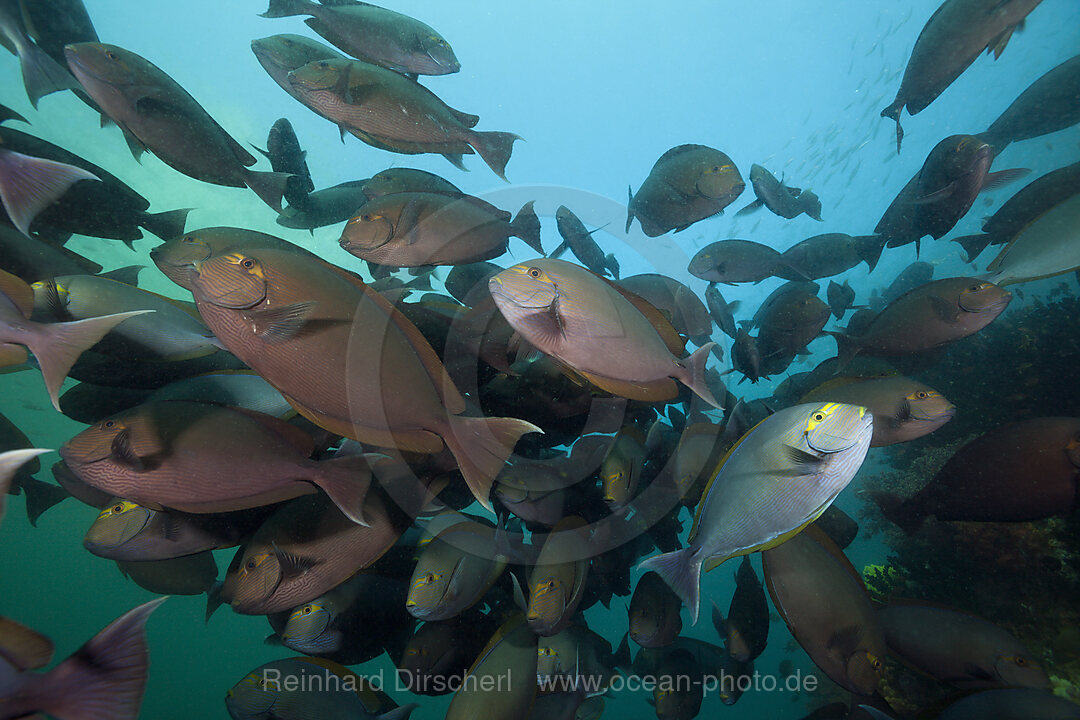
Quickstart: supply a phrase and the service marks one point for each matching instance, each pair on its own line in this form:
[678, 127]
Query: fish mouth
[71, 54]
[944, 414]
[496, 288]
[998, 304]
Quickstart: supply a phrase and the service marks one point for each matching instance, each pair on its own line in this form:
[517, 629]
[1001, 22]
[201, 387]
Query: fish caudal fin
[868, 248]
[694, 375]
[847, 348]
[42, 75]
[166, 225]
[58, 345]
[682, 572]
[893, 112]
[900, 513]
[481, 447]
[10, 462]
[287, 8]
[106, 677]
[269, 186]
[346, 481]
[527, 227]
[28, 185]
[40, 496]
[973, 244]
[495, 148]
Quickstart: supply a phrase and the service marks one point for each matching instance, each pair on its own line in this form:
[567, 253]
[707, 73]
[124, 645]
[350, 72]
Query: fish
[558, 577]
[700, 447]
[1049, 104]
[1022, 209]
[169, 330]
[56, 346]
[10, 462]
[158, 115]
[172, 454]
[328, 206]
[914, 275]
[1018, 472]
[1046, 247]
[40, 495]
[454, 571]
[673, 697]
[510, 653]
[468, 283]
[827, 608]
[957, 32]
[413, 229]
[593, 327]
[401, 179]
[128, 531]
[104, 206]
[622, 466]
[904, 409]
[933, 201]
[31, 260]
[185, 575]
[305, 549]
[789, 319]
[823, 256]
[580, 242]
[295, 688]
[746, 356]
[440, 652]
[1009, 703]
[102, 680]
[388, 111]
[376, 35]
[653, 614]
[838, 525]
[29, 184]
[677, 302]
[959, 648]
[286, 156]
[735, 261]
[931, 315]
[783, 200]
[41, 74]
[794, 463]
[722, 311]
[687, 184]
[841, 298]
[278, 311]
[279, 55]
[745, 630]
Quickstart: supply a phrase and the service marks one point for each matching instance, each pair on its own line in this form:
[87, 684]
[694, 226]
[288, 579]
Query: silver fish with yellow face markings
[558, 578]
[777, 479]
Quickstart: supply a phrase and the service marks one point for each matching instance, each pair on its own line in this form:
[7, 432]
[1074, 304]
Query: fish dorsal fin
[716, 473]
[667, 332]
[20, 294]
[291, 434]
[23, 647]
[822, 390]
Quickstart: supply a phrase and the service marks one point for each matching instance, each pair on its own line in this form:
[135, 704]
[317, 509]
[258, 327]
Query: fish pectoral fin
[997, 45]
[278, 324]
[947, 311]
[937, 195]
[755, 205]
[123, 452]
[292, 564]
[805, 463]
[170, 527]
[134, 144]
[974, 671]
[995, 180]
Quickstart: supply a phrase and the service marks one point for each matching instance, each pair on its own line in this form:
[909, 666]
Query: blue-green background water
[599, 91]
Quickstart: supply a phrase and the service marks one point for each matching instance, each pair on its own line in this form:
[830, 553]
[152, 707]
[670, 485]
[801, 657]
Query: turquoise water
[598, 91]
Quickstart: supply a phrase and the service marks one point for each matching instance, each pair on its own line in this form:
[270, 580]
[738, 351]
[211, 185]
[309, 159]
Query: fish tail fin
[682, 572]
[612, 264]
[40, 496]
[286, 8]
[868, 248]
[694, 375]
[629, 212]
[621, 658]
[269, 186]
[495, 148]
[903, 514]
[527, 227]
[58, 345]
[718, 622]
[752, 207]
[42, 75]
[558, 251]
[214, 600]
[346, 481]
[105, 678]
[847, 348]
[481, 447]
[28, 185]
[166, 225]
[456, 160]
[973, 244]
[893, 111]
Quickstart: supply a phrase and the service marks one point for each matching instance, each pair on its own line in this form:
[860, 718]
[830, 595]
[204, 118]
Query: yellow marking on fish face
[424, 581]
[306, 610]
[253, 563]
[922, 395]
[117, 509]
[818, 416]
[875, 662]
[250, 264]
[438, 40]
[1018, 660]
[546, 652]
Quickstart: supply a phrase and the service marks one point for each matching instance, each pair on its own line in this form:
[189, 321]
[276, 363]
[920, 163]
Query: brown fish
[927, 317]
[186, 575]
[745, 630]
[412, 229]
[378, 380]
[580, 242]
[904, 409]
[56, 346]
[391, 112]
[1018, 472]
[174, 454]
[1051, 103]
[281, 54]
[825, 605]
[400, 179]
[688, 183]
[789, 319]
[735, 261]
[654, 619]
[158, 115]
[511, 653]
[558, 578]
[829, 254]
[949, 42]
[679, 304]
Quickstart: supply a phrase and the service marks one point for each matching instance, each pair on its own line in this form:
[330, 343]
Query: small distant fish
[841, 298]
[328, 206]
[745, 630]
[783, 200]
[735, 261]
[103, 680]
[653, 614]
[580, 242]
[558, 577]
[286, 156]
[620, 471]
[722, 311]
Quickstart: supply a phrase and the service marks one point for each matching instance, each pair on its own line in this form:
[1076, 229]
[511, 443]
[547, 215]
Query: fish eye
[247, 263]
[188, 239]
[109, 424]
[118, 508]
[324, 65]
[366, 217]
[111, 55]
[307, 610]
[922, 394]
[251, 564]
[550, 584]
[535, 272]
[1021, 661]
[819, 416]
